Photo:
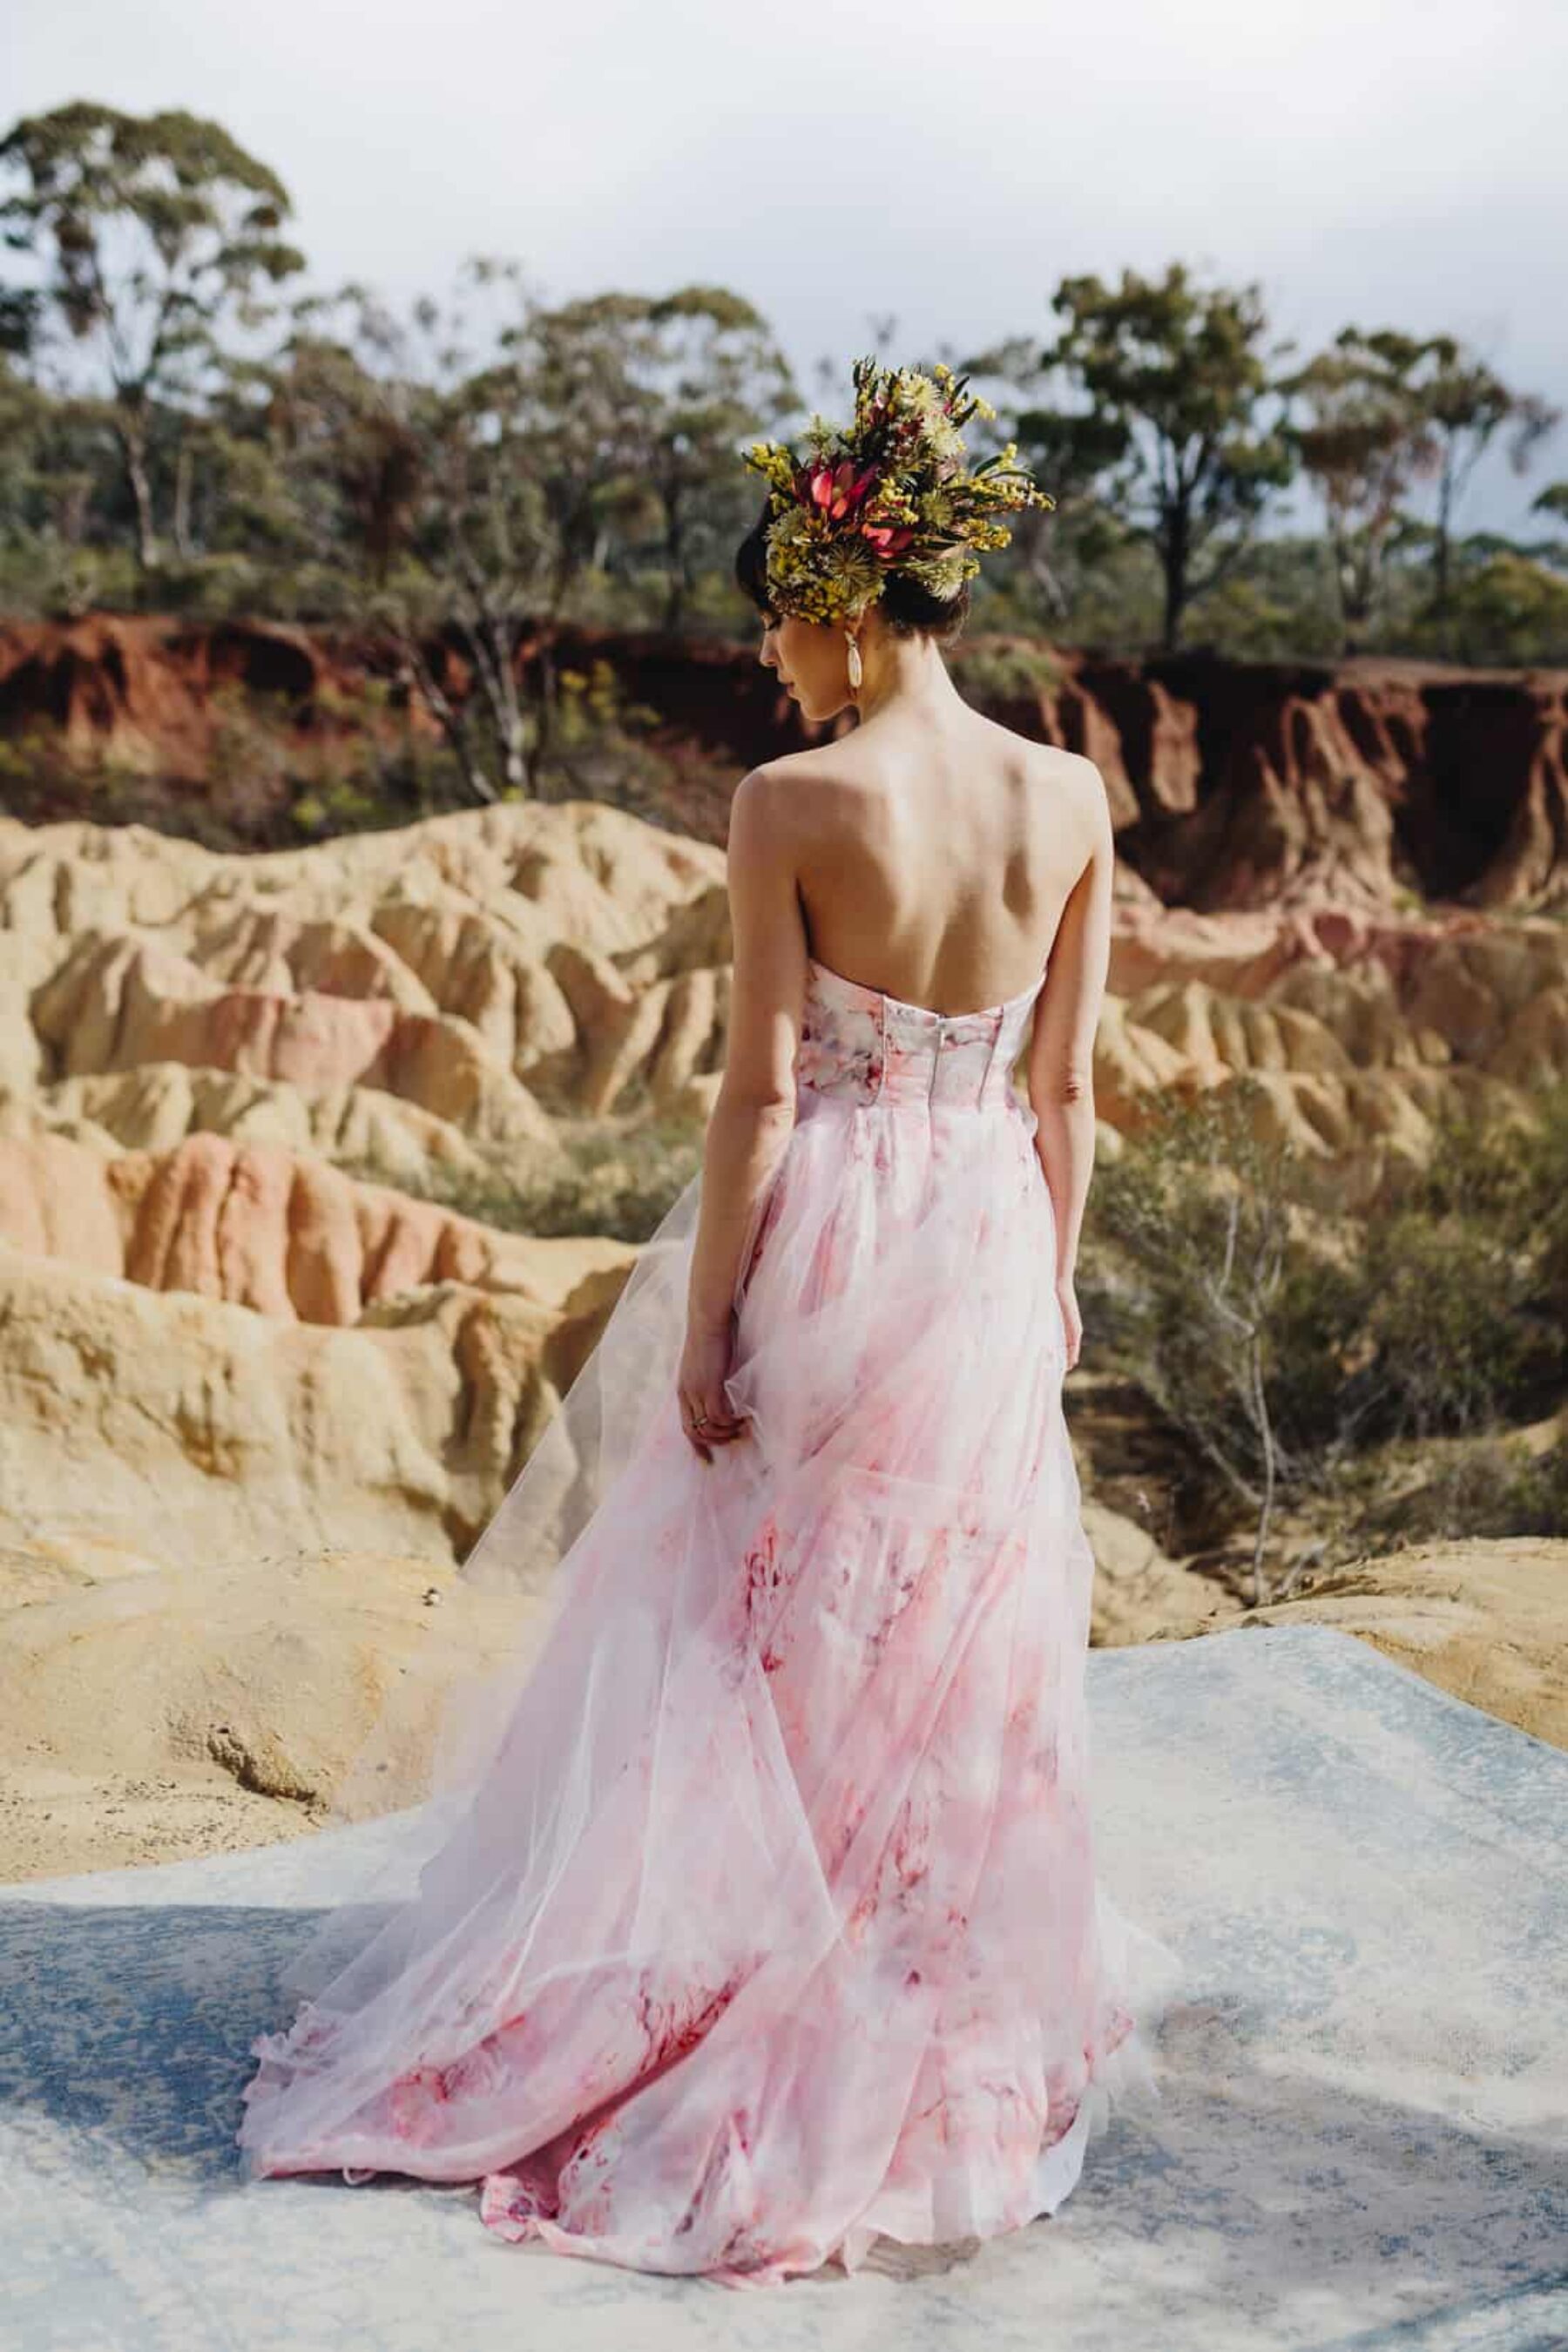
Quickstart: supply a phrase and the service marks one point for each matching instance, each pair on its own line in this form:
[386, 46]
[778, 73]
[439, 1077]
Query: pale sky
[1398, 162]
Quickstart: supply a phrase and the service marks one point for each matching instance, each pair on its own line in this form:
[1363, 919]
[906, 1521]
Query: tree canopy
[186, 422]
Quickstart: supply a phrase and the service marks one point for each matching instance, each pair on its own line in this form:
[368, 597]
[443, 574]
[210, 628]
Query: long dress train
[761, 1914]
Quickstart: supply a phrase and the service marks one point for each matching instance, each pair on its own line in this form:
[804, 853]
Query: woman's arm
[754, 1110]
[1061, 1071]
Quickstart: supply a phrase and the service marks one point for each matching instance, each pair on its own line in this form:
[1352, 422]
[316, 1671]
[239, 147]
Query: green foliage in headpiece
[891, 492]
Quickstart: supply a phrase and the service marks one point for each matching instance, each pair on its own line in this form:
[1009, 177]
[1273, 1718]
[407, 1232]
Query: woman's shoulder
[847, 758]
[822, 784]
[1041, 763]
[801, 789]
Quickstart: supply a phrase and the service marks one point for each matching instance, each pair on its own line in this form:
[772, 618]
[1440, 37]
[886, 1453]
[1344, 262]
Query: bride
[758, 1916]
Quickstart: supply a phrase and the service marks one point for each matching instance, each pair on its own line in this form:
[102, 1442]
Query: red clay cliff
[1232, 784]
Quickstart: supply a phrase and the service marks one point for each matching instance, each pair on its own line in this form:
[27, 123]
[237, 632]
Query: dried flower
[890, 494]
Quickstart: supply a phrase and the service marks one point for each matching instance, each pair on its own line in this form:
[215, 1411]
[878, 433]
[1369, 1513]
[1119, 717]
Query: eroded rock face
[187, 1429]
[1360, 1029]
[1235, 783]
[195, 1048]
[264, 1228]
[463, 966]
[1231, 783]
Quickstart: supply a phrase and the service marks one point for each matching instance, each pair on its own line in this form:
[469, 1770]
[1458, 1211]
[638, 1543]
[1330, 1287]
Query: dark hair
[908, 609]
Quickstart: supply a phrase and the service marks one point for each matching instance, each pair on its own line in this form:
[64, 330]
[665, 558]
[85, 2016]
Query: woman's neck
[906, 675]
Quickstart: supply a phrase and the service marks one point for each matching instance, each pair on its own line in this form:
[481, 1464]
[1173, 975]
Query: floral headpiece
[890, 493]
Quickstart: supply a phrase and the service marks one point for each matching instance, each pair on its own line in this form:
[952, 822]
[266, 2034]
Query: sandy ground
[54, 1823]
[110, 1746]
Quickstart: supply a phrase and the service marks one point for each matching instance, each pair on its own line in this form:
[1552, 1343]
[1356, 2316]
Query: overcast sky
[1394, 162]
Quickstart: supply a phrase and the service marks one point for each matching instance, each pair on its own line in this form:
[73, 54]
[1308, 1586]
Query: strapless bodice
[862, 1045]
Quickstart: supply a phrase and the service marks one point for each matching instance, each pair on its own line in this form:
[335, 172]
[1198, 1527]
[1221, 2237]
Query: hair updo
[910, 610]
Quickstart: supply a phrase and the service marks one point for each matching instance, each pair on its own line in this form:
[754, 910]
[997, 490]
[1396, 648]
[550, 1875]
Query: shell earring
[855, 672]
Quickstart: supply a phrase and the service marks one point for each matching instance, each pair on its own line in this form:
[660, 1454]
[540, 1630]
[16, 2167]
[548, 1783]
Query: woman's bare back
[936, 867]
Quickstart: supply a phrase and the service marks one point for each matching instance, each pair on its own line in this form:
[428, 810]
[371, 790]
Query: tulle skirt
[759, 1914]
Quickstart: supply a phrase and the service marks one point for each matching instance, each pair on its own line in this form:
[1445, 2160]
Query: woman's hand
[1072, 1322]
[705, 1411]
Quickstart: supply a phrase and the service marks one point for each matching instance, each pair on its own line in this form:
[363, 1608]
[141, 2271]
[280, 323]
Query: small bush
[621, 1180]
[1287, 1348]
[990, 674]
[1451, 1326]
[1495, 1485]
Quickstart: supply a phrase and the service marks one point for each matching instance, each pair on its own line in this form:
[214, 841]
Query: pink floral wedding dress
[767, 1919]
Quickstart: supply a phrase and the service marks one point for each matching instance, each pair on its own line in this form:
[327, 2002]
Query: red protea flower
[888, 539]
[837, 489]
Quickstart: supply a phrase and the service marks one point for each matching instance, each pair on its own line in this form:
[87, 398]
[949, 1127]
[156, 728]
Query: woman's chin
[812, 717]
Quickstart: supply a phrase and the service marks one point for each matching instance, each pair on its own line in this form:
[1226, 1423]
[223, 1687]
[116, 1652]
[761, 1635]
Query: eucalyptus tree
[473, 458]
[56, 481]
[1073, 454]
[579, 413]
[392, 431]
[1470, 407]
[152, 237]
[1175, 417]
[1553, 501]
[712, 376]
[1366, 435]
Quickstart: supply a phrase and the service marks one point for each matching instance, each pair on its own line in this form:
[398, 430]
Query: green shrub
[1452, 1324]
[990, 674]
[1286, 1347]
[1494, 1485]
[621, 1179]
